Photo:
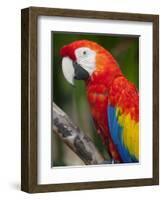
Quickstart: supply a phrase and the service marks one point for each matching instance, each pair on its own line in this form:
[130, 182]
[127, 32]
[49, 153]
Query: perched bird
[113, 100]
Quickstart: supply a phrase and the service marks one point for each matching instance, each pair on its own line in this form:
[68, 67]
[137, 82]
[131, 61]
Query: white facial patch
[86, 58]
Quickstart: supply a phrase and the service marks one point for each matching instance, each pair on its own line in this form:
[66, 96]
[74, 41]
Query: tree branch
[69, 133]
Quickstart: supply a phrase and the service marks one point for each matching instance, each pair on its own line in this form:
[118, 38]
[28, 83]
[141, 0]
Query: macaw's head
[83, 58]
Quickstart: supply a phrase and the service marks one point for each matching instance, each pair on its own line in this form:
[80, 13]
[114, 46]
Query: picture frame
[29, 98]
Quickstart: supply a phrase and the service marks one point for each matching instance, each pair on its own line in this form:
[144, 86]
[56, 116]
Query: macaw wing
[125, 134]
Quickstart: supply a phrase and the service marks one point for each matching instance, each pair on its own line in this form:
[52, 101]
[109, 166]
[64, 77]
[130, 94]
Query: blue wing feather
[116, 133]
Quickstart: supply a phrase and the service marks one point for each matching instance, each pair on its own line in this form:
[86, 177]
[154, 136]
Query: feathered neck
[104, 76]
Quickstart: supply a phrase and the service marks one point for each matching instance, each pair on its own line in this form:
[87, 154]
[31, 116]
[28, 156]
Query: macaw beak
[72, 70]
[68, 70]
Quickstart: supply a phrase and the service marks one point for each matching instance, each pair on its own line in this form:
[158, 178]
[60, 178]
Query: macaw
[113, 100]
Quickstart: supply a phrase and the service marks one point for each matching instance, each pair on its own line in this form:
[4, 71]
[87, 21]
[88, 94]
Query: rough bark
[79, 142]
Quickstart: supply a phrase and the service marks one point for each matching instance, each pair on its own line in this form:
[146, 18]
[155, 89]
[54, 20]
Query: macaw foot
[111, 161]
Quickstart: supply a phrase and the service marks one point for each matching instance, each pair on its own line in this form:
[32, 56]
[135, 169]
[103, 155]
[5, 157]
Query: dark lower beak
[80, 72]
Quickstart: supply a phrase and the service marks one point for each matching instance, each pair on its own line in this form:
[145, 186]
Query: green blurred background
[73, 99]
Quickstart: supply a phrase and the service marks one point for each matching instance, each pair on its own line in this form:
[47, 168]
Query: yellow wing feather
[130, 133]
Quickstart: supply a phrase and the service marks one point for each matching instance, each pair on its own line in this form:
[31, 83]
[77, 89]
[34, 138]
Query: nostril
[75, 64]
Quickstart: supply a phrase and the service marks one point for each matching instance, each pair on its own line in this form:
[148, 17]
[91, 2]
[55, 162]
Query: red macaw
[113, 100]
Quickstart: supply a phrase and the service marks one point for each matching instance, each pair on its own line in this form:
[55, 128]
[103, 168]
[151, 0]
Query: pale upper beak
[72, 70]
[68, 69]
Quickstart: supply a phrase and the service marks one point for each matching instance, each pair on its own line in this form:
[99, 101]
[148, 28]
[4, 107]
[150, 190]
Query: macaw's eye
[84, 52]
